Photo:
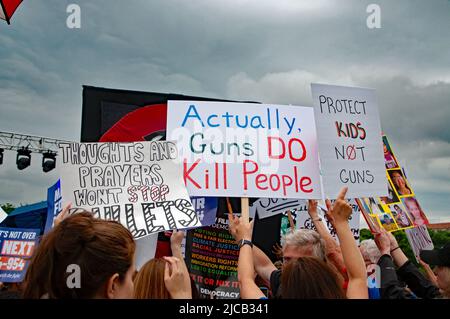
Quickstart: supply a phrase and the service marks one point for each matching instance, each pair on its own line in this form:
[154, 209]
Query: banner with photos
[400, 209]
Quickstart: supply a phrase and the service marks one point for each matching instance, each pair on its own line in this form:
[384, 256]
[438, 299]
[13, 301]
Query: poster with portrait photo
[401, 216]
[374, 206]
[415, 211]
[387, 221]
[371, 220]
[392, 197]
[400, 184]
[389, 158]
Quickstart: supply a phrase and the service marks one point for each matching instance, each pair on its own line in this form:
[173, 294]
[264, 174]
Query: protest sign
[350, 148]
[304, 221]
[54, 202]
[399, 210]
[419, 239]
[212, 258]
[267, 207]
[246, 150]
[16, 249]
[137, 184]
[145, 249]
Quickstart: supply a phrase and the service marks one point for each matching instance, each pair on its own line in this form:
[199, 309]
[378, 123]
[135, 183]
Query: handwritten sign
[350, 147]
[243, 149]
[267, 207]
[17, 246]
[304, 221]
[137, 184]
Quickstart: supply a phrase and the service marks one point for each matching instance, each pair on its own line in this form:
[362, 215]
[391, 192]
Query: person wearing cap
[440, 259]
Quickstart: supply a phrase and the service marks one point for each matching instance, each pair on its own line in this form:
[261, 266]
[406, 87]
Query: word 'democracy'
[137, 184]
[350, 146]
[246, 149]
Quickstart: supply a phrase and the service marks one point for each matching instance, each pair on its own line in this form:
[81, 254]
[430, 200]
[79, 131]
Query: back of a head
[149, 281]
[306, 239]
[310, 278]
[100, 249]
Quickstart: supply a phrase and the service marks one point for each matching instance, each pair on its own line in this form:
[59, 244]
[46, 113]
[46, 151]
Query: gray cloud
[262, 50]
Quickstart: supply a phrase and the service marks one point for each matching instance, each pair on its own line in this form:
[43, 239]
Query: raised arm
[356, 269]
[262, 263]
[333, 250]
[243, 230]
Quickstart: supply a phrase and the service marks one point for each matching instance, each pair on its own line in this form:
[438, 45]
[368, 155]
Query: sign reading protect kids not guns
[137, 184]
[246, 149]
[351, 151]
[16, 248]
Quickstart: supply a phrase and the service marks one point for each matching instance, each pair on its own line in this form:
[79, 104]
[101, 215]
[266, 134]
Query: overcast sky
[261, 50]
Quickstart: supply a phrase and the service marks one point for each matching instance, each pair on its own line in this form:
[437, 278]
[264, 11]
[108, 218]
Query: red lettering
[247, 172]
[187, 172]
[303, 152]
[269, 141]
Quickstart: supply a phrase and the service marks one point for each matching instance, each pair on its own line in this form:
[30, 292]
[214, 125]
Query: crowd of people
[314, 264]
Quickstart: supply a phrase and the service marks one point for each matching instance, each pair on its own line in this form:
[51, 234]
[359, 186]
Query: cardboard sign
[399, 210]
[419, 239]
[17, 246]
[137, 184]
[246, 150]
[350, 148]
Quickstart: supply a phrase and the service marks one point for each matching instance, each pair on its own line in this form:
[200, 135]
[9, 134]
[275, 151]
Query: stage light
[1, 156]
[23, 158]
[48, 161]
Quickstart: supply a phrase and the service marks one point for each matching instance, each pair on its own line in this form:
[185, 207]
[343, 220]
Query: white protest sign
[303, 220]
[419, 239]
[137, 184]
[145, 249]
[267, 207]
[246, 149]
[350, 144]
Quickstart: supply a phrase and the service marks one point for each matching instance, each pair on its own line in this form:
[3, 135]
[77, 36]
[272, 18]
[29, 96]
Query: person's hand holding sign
[354, 263]
[176, 279]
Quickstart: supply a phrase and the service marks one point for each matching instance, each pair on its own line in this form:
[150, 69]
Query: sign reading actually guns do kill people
[16, 249]
[350, 147]
[246, 149]
[137, 184]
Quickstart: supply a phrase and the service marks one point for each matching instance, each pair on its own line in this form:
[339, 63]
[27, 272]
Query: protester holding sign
[309, 267]
[333, 250]
[391, 256]
[165, 278]
[83, 257]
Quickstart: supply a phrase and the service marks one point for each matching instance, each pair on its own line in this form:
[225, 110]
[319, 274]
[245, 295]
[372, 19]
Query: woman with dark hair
[83, 257]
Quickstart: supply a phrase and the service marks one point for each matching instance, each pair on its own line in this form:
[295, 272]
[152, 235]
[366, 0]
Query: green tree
[8, 207]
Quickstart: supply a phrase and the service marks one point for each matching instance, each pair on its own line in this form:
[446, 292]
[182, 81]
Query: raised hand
[176, 279]
[341, 210]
